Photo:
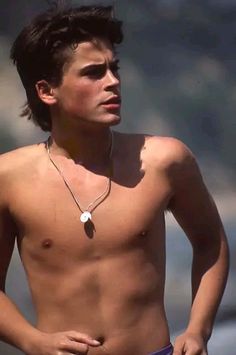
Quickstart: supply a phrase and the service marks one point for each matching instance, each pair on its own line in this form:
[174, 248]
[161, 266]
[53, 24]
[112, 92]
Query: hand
[64, 343]
[190, 344]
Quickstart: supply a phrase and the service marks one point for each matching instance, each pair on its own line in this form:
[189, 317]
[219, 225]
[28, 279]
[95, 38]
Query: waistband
[168, 350]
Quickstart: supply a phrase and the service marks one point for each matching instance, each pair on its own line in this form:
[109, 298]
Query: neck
[86, 147]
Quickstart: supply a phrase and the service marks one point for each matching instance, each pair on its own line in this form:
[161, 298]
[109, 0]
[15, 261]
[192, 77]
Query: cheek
[85, 95]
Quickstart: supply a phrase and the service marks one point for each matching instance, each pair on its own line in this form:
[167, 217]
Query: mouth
[112, 103]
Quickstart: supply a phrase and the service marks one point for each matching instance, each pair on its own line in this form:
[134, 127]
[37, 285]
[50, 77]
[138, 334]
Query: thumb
[84, 338]
[179, 347]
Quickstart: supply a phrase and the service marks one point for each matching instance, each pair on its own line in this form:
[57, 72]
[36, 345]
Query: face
[90, 88]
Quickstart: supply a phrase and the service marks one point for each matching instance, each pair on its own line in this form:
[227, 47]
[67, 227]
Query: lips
[114, 100]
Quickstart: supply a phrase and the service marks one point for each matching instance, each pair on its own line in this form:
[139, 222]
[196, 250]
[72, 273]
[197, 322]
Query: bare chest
[48, 219]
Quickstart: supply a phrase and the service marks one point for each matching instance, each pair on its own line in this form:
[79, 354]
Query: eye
[96, 73]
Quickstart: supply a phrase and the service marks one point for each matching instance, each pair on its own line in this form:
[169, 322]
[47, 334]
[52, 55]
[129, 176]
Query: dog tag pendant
[86, 215]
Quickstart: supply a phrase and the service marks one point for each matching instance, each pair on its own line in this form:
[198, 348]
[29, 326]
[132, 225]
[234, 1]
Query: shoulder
[169, 152]
[16, 162]
[168, 146]
[179, 165]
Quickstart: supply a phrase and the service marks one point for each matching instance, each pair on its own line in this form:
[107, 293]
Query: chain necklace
[86, 213]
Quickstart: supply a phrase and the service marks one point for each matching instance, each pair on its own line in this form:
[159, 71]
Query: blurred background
[179, 79]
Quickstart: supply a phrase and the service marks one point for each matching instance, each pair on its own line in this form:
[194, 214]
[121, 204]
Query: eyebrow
[98, 66]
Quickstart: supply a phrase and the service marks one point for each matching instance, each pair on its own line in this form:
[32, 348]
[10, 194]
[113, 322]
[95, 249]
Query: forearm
[209, 275]
[14, 328]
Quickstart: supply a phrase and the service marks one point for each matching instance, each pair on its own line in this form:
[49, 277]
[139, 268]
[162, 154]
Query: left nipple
[47, 243]
[143, 233]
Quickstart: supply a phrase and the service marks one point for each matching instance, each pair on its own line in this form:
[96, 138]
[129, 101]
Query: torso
[107, 282]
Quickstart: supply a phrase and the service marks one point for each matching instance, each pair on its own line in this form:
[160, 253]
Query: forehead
[93, 52]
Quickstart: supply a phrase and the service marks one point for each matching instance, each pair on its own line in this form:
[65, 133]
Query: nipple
[144, 233]
[47, 243]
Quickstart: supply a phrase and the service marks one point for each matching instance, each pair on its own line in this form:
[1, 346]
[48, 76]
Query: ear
[45, 92]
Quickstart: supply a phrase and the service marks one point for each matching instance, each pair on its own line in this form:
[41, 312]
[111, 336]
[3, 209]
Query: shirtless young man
[98, 286]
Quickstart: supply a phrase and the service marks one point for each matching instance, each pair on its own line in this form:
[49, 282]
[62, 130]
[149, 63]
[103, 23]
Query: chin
[115, 121]
[111, 120]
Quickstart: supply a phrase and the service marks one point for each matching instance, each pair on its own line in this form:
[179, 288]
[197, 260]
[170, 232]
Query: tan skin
[104, 283]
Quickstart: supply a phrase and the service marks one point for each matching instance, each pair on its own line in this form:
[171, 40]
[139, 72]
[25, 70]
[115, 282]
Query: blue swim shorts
[168, 350]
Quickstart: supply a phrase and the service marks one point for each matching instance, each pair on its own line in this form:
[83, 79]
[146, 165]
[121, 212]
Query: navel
[47, 243]
[101, 339]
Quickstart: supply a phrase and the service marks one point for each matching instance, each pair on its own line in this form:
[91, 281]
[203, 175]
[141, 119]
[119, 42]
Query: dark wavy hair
[45, 45]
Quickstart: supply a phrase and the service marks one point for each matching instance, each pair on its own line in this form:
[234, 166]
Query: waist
[138, 335]
[167, 350]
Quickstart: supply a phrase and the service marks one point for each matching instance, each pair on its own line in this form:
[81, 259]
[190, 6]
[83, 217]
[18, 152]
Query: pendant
[86, 215]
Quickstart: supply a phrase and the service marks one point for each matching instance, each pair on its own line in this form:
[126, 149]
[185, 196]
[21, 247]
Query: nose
[111, 79]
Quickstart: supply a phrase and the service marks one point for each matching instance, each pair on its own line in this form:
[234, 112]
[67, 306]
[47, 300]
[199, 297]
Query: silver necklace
[86, 213]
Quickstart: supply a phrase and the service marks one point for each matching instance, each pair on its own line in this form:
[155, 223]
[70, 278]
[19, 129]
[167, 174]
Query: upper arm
[192, 204]
[7, 236]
